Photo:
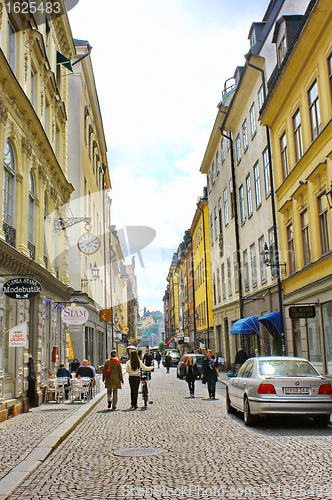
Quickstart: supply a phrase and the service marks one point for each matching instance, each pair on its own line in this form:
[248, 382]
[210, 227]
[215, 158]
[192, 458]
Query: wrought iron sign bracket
[62, 223]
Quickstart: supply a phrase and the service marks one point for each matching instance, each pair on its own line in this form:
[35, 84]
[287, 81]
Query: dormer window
[282, 49]
[252, 38]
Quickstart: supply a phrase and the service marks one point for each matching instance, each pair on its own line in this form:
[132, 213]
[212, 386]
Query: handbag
[217, 371]
[108, 371]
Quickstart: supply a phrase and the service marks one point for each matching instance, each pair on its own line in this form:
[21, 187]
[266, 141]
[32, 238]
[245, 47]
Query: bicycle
[145, 392]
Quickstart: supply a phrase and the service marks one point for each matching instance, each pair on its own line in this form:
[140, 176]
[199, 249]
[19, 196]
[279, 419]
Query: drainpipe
[236, 216]
[104, 168]
[274, 217]
[206, 287]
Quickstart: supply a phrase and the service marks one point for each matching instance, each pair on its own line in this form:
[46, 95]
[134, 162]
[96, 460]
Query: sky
[160, 68]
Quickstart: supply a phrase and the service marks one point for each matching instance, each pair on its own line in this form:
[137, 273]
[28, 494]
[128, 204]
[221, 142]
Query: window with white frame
[260, 96]
[314, 110]
[223, 282]
[209, 181]
[217, 163]
[8, 207]
[284, 155]
[305, 237]
[241, 200]
[215, 223]
[266, 167]
[297, 130]
[11, 46]
[323, 213]
[222, 150]
[253, 264]
[226, 207]
[258, 197]
[245, 135]
[211, 229]
[249, 195]
[32, 195]
[290, 249]
[238, 148]
[229, 276]
[245, 270]
[252, 115]
[262, 265]
[282, 49]
[232, 200]
[218, 285]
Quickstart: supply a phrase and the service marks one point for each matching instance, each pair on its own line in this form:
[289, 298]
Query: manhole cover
[137, 452]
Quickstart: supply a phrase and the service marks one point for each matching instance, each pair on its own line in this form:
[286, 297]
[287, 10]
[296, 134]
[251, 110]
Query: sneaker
[114, 408]
[109, 404]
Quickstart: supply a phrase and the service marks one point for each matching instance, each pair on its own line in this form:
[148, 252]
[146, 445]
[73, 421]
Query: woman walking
[192, 374]
[133, 367]
[158, 358]
[210, 375]
[112, 376]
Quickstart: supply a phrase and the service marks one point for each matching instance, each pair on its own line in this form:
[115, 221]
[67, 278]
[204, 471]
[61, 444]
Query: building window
[249, 196]
[209, 181]
[245, 135]
[315, 121]
[245, 270]
[226, 207]
[229, 276]
[329, 62]
[262, 265]
[236, 272]
[290, 249]
[284, 157]
[257, 186]
[223, 282]
[33, 88]
[241, 199]
[282, 49]
[218, 285]
[217, 163]
[45, 229]
[211, 229]
[213, 171]
[323, 223]
[222, 150]
[231, 190]
[47, 116]
[214, 288]
[266, 166]
[57, 141]
[90, 141]
[297, 135]
[215, 223]
[238, 148]
[253, 264]
[252, 121]
[11, 46]
[8, 208]
[31, 223]
[305, 237]
[260, 95]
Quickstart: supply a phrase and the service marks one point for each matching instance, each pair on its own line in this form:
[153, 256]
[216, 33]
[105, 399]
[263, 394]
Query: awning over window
[246, 326]
[271, 320]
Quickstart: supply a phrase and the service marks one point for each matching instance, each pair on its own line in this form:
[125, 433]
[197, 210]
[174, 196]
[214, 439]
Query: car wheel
[229, 407]
[249, 419]
[322, 420]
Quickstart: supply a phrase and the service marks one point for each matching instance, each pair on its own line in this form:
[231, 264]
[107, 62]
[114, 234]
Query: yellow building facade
[298, 111]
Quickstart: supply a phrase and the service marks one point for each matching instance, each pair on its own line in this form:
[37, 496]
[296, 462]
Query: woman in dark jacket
[192, 374]
[210, 376]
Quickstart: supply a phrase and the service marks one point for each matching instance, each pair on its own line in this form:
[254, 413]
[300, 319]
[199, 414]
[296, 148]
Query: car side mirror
[230, 374]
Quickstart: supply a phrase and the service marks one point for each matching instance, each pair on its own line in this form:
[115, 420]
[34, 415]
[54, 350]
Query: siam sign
[21, 288]
[75, 315]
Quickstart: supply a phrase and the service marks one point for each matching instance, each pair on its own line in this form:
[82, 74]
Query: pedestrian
[112, 376]
[133, 367]
[168, 361]
[86, 371]
[148, 358]
[192, 374]
[240, 358]
[158, 358]
[63, 372]
[210, 374]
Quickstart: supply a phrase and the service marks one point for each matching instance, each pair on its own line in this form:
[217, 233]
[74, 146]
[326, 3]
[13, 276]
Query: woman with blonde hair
[192, 374]
[133, 368]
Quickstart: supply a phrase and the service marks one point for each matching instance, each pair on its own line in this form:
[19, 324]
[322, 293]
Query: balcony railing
[32, 250]
[10, 234]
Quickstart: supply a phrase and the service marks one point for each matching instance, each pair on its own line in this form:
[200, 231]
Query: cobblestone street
[205, 453]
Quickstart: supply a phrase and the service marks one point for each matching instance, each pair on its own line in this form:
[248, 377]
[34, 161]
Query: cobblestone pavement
[20, 435]
[206, 453]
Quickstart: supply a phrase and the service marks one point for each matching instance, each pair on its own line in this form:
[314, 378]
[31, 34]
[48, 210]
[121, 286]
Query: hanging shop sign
[75, 315]
[21, 288]
[302, 312]
[18, 335]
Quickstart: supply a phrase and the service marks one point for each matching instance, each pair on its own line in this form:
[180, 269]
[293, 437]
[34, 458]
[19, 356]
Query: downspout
[274, 217]
[193, 288]
[236, 216]
[105, 270]
[206, 287]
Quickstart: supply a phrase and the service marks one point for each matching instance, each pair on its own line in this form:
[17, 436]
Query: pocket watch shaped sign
[75, 315]
[88, 243]
[21, 288]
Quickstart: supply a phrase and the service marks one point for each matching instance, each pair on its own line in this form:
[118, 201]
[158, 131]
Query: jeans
[134, 386]
[112, 395]
[211, 384]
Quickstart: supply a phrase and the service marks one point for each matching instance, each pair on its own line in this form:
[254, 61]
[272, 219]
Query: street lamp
[328, 195]
[95, 275]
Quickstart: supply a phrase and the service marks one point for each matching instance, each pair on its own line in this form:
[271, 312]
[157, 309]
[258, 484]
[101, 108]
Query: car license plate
[296, 390]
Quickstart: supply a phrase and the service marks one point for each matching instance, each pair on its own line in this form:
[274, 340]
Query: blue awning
[246, 326]
[271, 320]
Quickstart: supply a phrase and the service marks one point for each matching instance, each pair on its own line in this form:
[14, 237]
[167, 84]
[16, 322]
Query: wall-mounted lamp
[95, 275]
[328, 195]
[269, 259]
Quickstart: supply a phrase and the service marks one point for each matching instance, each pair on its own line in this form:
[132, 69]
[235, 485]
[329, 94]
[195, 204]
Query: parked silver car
[279, 385]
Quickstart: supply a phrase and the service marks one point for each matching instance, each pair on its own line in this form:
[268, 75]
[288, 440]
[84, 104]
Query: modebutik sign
[75, 315]
[18, 335]
[21, 288]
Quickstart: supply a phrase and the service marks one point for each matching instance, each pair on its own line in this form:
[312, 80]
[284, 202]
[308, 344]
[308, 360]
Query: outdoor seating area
[81, 390]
